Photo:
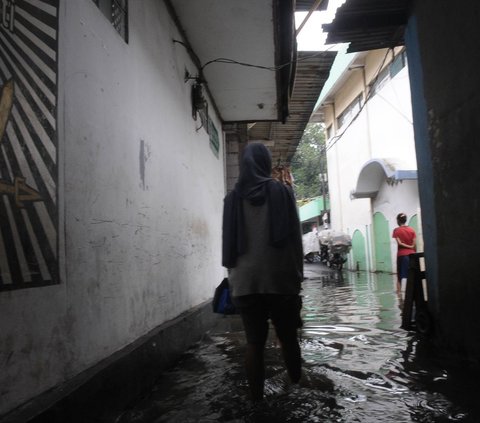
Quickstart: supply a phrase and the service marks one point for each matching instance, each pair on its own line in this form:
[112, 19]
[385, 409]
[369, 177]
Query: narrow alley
[359, 366]
[122, 129]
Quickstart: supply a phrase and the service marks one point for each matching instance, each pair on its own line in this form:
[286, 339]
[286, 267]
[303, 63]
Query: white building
[372, 168]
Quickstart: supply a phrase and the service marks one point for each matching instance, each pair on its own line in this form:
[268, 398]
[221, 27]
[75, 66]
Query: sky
[311, 37]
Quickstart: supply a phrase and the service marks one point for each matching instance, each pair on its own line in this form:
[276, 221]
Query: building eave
[257, 38]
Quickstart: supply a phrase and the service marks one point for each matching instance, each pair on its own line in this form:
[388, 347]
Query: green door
[414, 223]
[383, 254]
[358, 251]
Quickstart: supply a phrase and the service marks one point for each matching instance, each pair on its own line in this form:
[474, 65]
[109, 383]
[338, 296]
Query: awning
[376, 171]
[312, 209]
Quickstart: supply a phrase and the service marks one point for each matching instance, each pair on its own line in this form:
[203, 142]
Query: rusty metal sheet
[369, 24]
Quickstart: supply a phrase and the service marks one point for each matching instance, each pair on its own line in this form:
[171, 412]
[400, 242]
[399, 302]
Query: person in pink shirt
[406, 239]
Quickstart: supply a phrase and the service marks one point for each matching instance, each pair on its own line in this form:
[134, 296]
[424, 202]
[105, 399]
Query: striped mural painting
[28, 143]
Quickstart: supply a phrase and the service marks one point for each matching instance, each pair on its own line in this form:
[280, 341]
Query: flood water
[359, 366]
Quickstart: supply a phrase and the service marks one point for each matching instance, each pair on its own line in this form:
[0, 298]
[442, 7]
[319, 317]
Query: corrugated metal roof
[369, 24]
[306, 5]
[312, 72]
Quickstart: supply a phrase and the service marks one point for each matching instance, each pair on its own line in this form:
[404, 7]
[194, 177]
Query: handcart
[339, 245]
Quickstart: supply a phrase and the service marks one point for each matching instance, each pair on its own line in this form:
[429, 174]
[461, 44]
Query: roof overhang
[375, 172]
[369, 24]
[339, 74]
[312, 71]
[252, 32]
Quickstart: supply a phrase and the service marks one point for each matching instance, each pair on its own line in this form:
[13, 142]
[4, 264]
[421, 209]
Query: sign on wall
[28, 143]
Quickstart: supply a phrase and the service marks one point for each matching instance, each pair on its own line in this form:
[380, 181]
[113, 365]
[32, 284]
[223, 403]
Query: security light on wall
[198, 100]
[199, 104]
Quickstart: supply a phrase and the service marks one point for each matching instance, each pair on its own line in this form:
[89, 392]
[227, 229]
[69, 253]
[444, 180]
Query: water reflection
[358, 367]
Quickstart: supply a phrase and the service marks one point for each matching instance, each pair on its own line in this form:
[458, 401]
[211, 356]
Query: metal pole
[312, 9]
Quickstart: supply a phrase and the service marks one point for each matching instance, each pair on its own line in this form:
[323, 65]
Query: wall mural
[28, 143]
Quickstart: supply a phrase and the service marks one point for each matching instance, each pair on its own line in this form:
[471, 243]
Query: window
[379, 82]
[329, 131]
[388, 72]
[398, 63]
[116, 12]
[350, 112]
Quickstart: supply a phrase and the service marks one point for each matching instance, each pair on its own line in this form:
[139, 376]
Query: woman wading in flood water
[262, 248]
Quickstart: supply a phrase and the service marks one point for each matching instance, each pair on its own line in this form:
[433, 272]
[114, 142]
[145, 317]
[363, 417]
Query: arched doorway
[358, 251]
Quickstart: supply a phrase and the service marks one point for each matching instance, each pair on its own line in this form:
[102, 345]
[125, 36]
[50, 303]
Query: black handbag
[222, 302]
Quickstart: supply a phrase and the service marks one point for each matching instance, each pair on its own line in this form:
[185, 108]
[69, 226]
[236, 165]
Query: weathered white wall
[141, 226]
[345, 160]
[391, 124]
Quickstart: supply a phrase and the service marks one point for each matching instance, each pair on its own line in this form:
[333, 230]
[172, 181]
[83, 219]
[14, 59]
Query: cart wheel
[423, 322]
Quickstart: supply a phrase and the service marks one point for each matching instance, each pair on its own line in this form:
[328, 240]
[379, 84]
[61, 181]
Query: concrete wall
[391, 122]
[235, 141]
[447, 107]
[139, 194]
[345, 160]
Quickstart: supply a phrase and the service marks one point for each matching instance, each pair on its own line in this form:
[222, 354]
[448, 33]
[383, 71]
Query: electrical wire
[337, 138]
[269, 68]
[395, 108]
[407, 118]
[235, 62]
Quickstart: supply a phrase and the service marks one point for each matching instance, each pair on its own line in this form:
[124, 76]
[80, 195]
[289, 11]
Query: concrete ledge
[101, 393]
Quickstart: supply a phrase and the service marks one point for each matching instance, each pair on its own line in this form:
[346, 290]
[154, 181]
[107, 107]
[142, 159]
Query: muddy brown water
[359, 366]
